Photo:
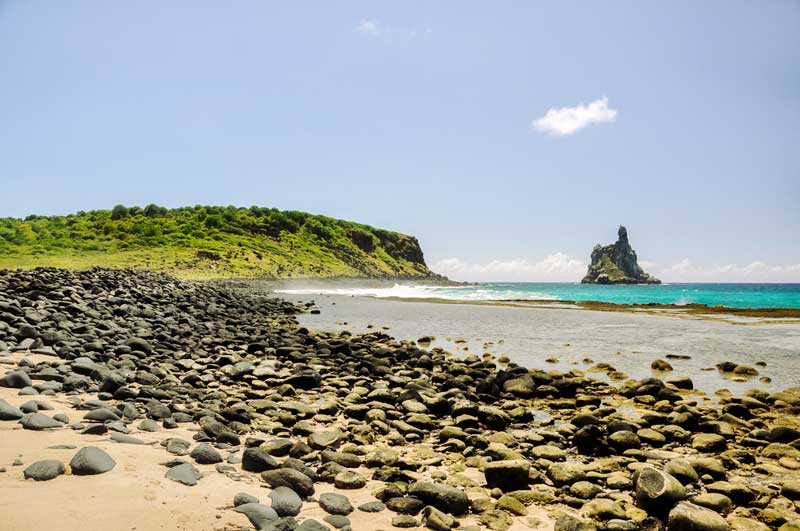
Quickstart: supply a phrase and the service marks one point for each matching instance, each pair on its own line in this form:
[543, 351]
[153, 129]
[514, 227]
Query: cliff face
[616, 264]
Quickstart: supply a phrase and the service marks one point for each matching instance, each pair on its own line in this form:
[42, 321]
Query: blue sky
[509, 137]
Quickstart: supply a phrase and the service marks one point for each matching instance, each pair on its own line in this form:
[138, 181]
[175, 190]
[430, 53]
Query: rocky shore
[133, 400]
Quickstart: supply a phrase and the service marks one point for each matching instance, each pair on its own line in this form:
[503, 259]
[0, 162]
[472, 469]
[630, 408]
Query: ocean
[729, 295]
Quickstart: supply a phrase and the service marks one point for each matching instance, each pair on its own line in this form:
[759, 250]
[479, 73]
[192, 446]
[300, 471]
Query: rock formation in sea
[616, 264]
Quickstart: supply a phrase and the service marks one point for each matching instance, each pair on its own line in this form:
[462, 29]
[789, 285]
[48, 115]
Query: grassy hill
[210, 242]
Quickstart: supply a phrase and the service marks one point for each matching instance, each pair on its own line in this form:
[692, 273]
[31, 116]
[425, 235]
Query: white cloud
[569, 120]
[757, 271]
[680, 268]
[369, 27]
[554, 267]
[373, 28]
[559, 267]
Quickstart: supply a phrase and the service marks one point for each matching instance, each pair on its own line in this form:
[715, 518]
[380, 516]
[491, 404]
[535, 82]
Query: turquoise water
[730, 295]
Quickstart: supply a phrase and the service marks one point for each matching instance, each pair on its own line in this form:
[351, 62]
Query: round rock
[312, 525]
[372, 507]
[687, 516]
[285, 501]
[322, 440]
[347, 479]
[507, 475]
[258, 460]
[657, 491]
[242, 498]
[149, 425]
[38, 421]
[259, 515]
[288, 477]
[184, 473]
[333, 503]
[205, 454]
[44, 470]
[444, 497]
[337, 520]
[91, 460]
[16, 380]
[9, 412]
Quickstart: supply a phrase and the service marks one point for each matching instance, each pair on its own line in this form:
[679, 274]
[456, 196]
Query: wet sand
[630, 341]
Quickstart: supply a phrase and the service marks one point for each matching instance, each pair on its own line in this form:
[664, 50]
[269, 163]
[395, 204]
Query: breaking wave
[403, 291]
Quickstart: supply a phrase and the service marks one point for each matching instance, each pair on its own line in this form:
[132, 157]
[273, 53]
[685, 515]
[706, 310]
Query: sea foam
[730, 295]
[403, 291]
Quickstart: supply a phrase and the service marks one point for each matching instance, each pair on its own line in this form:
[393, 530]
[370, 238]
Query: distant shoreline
[428, 291]
[787, 315]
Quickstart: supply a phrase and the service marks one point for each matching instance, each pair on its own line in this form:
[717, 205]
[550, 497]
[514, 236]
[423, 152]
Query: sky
[508, 137]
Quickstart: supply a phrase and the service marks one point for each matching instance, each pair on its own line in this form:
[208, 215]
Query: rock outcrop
[616, 264]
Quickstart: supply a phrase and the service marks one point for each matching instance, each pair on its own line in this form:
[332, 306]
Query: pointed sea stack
[616, 264]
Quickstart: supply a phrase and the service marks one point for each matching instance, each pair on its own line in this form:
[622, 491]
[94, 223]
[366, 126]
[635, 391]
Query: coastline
[558, 337]
[312, 287]
[275, 284]
[729, 314]
[414, 433]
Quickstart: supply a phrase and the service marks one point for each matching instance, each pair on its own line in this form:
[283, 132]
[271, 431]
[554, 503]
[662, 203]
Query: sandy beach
[135, 495]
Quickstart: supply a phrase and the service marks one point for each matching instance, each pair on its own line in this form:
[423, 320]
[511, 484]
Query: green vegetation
[210, 242]
[609, 268]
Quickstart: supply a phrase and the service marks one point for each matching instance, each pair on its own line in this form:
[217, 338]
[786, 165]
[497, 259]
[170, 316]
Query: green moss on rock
[616, 264]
